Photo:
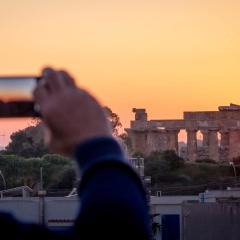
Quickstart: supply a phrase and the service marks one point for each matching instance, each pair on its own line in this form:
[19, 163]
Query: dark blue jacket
[113, 200]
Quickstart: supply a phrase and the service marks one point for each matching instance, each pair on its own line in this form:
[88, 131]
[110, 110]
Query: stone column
[172, 139]
[224, 142]
[224, 145]
[205, 134]
[152, 141]
[138, 140]
[191, 144]
[205, 144]
[213, 145]
[163, 140]
[234, 143]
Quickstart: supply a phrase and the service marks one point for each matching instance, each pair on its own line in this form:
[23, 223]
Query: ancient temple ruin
[220, 130]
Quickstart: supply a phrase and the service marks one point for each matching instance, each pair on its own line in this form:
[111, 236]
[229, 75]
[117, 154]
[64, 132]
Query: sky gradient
[165, 56]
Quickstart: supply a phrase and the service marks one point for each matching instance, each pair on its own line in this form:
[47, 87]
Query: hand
[71, 114]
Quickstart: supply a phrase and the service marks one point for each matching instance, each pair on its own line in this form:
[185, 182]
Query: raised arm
[113, 202]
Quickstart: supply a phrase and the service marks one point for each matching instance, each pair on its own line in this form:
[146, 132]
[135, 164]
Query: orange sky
[167, 56]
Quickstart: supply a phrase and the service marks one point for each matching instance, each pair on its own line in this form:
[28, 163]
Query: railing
[24, 190]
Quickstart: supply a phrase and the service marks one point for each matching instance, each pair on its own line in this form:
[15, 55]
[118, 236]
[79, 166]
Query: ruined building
[220, 130]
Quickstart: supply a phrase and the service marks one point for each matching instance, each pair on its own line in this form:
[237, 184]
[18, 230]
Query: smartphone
[16, 96]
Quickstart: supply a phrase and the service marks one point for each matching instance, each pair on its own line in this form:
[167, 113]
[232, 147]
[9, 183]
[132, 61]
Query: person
[113, 202]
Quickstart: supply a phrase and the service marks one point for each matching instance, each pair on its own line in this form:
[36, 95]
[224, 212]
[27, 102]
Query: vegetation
[58, 171]
[114, 120]
[27, 142]
[171, 175]
[162, 166]
[26, 154]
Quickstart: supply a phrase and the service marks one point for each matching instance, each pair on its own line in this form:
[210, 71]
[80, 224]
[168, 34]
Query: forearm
[111, 193]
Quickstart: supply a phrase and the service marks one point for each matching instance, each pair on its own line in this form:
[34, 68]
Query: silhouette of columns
[191, 144]
[205, 142]
[213, 144]
[172, 139]
[205, 134]
[138, 140]
[234, 143]
[224, 145]
[224, 142]
[153, 140]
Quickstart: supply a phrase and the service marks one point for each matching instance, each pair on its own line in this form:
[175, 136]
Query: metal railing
[24, 190]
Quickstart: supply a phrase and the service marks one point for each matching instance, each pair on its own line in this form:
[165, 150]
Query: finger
[43, 83]
[40, 94]
[47, 134]
[61, 81]
[52, 79]
[69, 81]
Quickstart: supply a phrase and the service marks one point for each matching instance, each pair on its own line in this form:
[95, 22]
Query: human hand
[70, 114]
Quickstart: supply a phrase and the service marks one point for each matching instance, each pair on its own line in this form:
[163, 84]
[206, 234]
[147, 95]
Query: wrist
[98, 149]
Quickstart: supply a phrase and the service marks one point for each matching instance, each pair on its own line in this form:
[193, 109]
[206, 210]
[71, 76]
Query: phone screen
[16, 98]
[17, 88]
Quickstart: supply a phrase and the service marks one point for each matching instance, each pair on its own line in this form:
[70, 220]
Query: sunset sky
[167, 56]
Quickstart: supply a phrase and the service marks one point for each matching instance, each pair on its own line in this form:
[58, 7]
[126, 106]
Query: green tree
[68, 179]
[54, 168]
[173, 160]
[27, 142]
[30, 172]
[163, 167]
[11, 167]
[18, 171]
[155, 167]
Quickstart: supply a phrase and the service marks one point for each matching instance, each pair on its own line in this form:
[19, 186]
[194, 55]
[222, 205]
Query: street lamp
[235, 172]
[4, 182]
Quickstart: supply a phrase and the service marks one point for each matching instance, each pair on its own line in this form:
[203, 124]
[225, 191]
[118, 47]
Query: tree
[11, 167]
[126, 142]
[114, 120]
[155, 167]
[174, 161]
[30, 172]
[58, 171]
[27, 142]
[163, 166]
[68, 179]
[54, 170]
[116, 125]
